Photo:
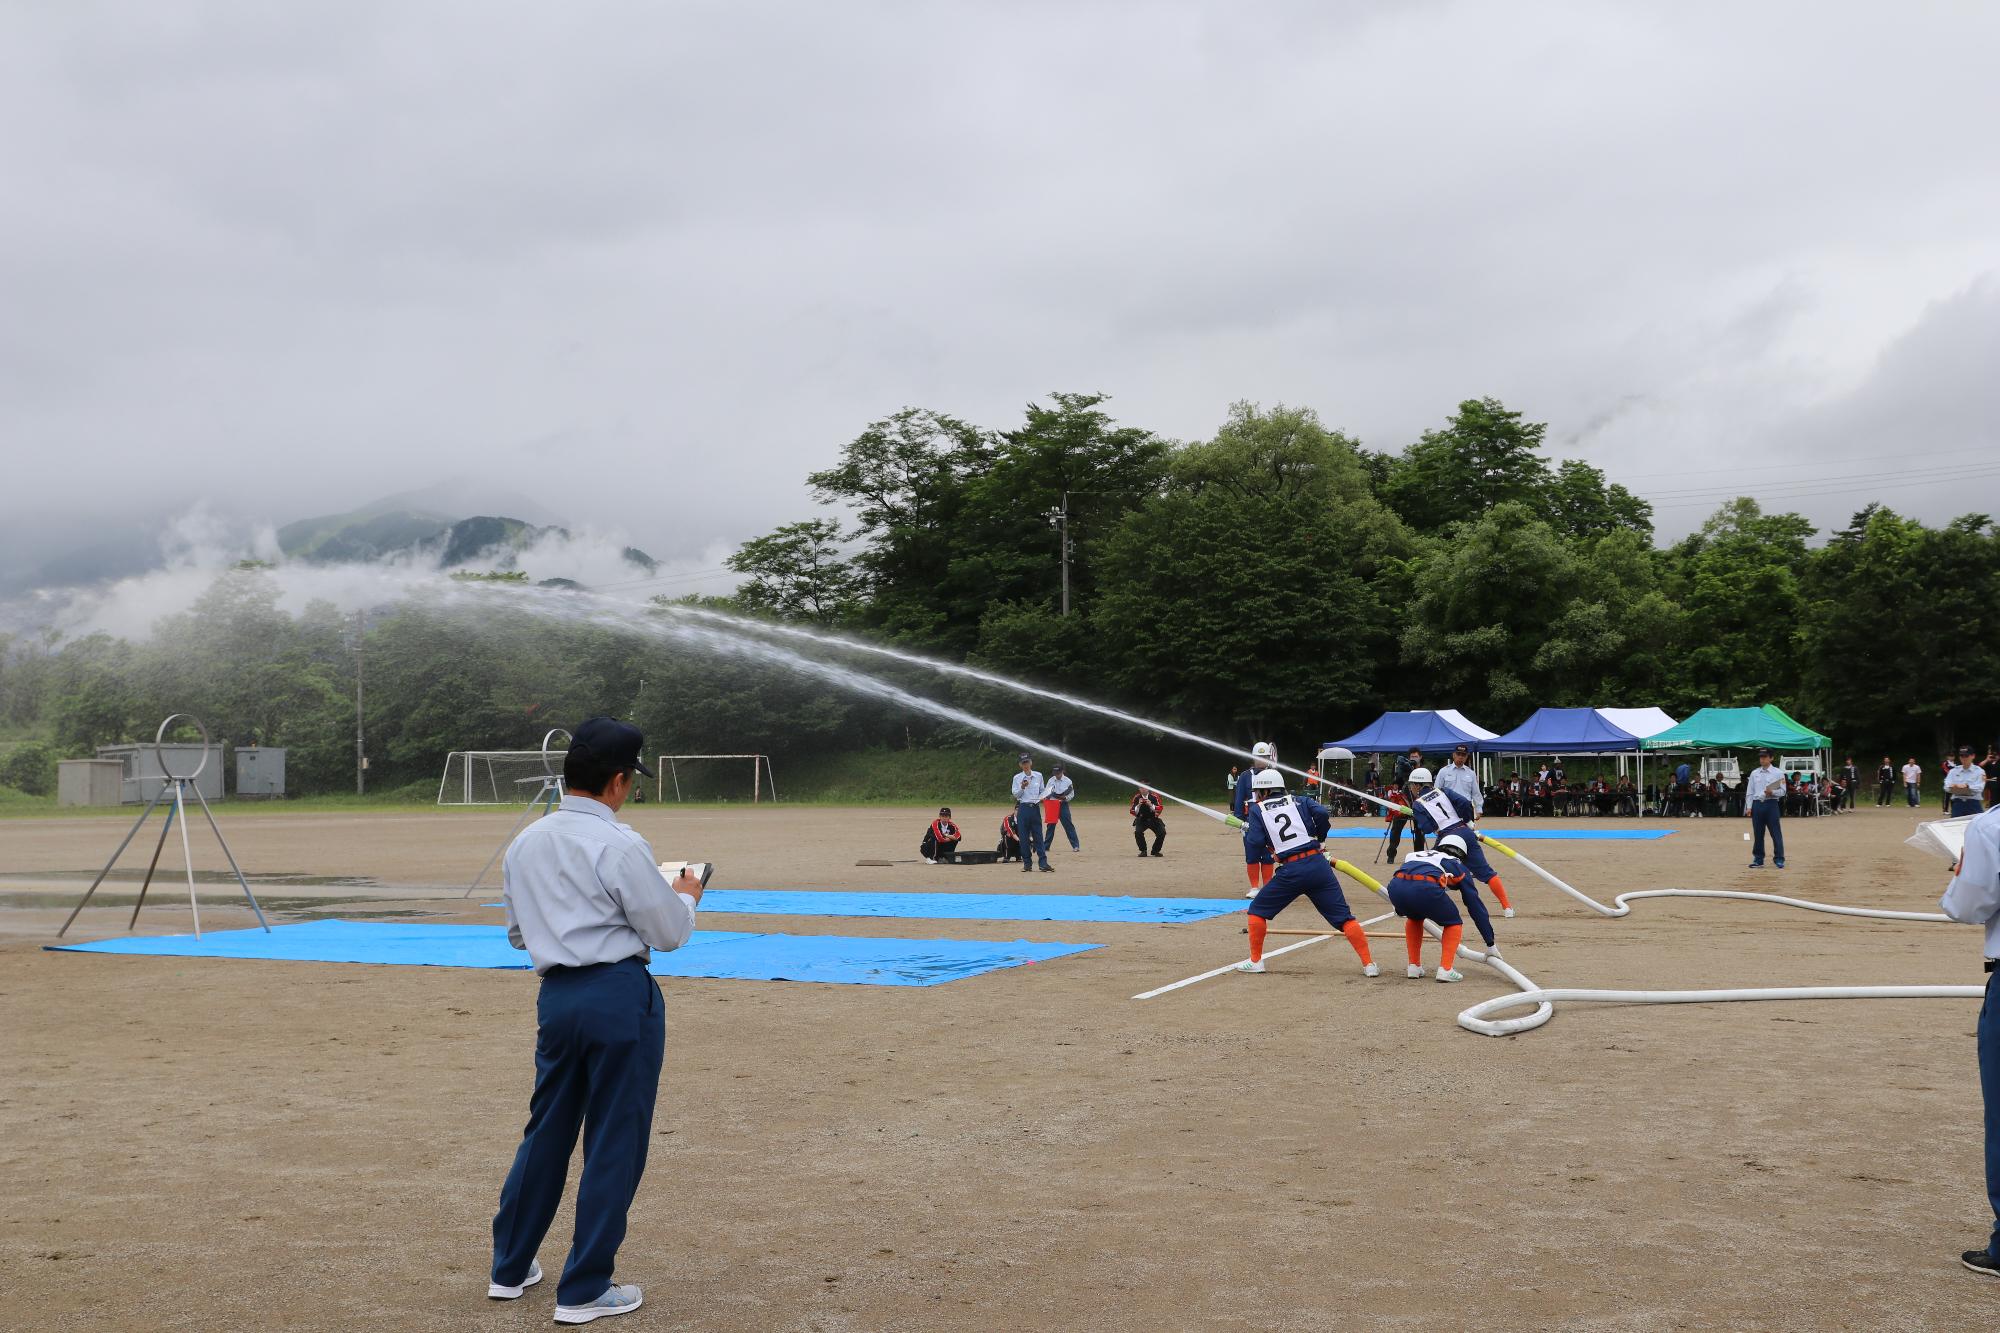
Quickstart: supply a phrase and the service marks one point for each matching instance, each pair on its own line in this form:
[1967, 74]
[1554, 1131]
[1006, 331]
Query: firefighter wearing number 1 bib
[1289, 829]
[1438, 812]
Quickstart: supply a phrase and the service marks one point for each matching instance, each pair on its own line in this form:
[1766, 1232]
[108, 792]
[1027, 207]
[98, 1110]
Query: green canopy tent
[1742, 729]
[1738, 729]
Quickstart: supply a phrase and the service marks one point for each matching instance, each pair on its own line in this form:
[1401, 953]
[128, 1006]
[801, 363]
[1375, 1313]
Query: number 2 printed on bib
[1286, 825]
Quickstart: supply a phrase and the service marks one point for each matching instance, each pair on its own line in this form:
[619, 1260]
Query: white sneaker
[498, 1292]
[1250, 893]
[1371, 970]
[615, 1300]
[1413, 971]
[1247, 966]
[1450, 974]
[930, 861]
[1506, 911]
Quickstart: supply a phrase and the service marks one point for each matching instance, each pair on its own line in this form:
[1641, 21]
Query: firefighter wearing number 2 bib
[1439, 812]
[1290, 828]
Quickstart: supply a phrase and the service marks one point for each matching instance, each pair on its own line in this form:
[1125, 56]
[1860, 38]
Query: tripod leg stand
[165, 828]
[238, 870]
[547, 796]
[115, 855]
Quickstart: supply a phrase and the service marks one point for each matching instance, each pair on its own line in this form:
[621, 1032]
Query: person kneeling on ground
[1290, 829]
[1419, 892]
[941, 839]
[1146, 819]
[1438, 812]
[1010, 839]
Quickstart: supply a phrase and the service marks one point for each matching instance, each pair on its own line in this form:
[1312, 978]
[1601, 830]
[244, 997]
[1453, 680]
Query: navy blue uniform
[1240, 805]
[1309, 875]
[1475, 856]
[1419, 892]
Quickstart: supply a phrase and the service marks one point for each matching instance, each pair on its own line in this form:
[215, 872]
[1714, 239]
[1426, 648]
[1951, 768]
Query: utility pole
[1061, 519]
[360, 742]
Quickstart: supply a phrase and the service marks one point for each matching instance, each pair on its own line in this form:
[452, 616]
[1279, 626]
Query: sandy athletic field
[200, 1144]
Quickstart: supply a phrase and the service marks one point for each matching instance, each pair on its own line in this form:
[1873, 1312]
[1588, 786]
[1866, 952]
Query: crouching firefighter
[941, 839]
[1289, 829]
[1420, 891]
[1439, 812]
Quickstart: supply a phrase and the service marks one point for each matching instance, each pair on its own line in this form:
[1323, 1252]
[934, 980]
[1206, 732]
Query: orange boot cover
[1266, 871]
[1413, 935]
[1452, 935]
[1357, 937]
[1251, 870]
[1500, 892]
[1258, 925]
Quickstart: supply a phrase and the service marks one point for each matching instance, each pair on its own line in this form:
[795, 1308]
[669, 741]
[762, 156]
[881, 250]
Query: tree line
[1276, 580]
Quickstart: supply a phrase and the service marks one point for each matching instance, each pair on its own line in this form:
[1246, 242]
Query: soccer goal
[493, 777]
[716, 777]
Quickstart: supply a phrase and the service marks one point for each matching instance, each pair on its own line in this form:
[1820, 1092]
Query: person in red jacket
[1146, 819]
[941, 838]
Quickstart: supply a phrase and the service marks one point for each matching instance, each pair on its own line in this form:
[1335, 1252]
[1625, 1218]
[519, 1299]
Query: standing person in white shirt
[1028, 790]
[1461, 777]
[1059, 790]
[1913, 782]
[1965, 785]
[1764, 797]
[585, 898]
[1974, 898]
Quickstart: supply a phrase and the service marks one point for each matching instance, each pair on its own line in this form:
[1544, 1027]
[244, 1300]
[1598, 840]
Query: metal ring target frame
[548, 766]
[160, 753]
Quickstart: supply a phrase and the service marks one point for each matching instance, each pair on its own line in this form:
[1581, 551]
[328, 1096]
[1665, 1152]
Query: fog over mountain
[634, 270]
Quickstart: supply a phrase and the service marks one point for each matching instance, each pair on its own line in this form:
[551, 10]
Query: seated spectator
[941, 839]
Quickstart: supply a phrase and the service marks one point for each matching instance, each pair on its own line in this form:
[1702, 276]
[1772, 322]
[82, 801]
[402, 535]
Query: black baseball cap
[613, 741]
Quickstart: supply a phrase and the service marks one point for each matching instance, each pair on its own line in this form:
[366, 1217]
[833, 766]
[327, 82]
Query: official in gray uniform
[1974, 898]
[585, 898]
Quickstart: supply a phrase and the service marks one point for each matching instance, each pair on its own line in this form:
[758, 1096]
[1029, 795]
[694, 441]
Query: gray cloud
[651, 264]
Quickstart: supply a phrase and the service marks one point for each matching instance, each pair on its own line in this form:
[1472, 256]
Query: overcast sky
[649, 263]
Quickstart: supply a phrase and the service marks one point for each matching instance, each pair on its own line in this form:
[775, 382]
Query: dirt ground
[208, 1144]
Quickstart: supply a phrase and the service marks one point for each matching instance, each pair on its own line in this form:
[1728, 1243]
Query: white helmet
[1452, 843]
[1420, 775]
[1263, 750]
[1267, 779]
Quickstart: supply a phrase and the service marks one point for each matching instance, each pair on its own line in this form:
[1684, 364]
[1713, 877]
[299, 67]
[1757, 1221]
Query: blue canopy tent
[1562, 731]
[1426, 729]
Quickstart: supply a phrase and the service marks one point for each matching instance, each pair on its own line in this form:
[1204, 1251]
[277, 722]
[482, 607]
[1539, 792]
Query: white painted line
[1268, 953]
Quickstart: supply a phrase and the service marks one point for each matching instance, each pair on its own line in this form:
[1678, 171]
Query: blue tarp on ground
[1427, 730]
[1562, 731]
[967, 906]
[839, 959]
[1536, 834]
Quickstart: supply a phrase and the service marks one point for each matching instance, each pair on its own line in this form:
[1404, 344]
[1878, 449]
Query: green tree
[1255, 593]
[1740, 582]
[1484, 456]
[1583, 508]
[796, 572]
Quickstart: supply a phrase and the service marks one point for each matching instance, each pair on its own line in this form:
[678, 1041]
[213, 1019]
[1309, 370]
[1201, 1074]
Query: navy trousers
[1418, 900]
[1989, 1085]
[1965, 805]
[1028, 823]
[601, 1036]
[1062, 813]
[1766, 815]
[1311, 877]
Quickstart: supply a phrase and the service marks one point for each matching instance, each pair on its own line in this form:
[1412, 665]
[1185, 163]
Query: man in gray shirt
[585, 898]
[1764, 795]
